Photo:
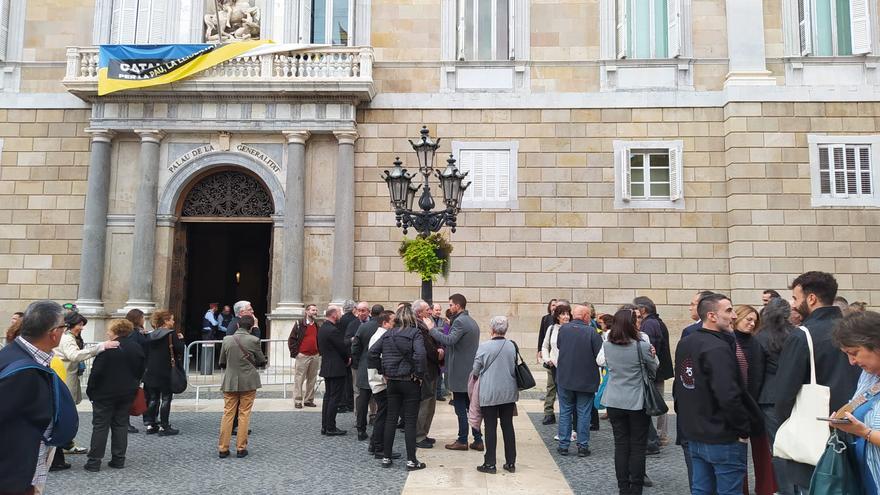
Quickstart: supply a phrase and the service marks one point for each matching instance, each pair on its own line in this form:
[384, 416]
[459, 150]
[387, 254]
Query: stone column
[294, 224]
[342, 287]
[745, 44]
[94, 240]
[143, 252]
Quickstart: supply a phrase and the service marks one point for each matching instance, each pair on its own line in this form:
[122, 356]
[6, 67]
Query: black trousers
[404, 397]
[362, 408]
[109, 417]
[491, 415]
[348, 393]
[158, 405]
[630, 442]
[333, 389]
[378, 438]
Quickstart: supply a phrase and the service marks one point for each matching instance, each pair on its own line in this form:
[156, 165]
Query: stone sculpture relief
[234, 20]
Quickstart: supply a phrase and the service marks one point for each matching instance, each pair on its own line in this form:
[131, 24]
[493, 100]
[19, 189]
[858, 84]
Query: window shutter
[675, 174]
[673, 14]
[142, 23]
[622, 19]
[851, 170]
[490, 174]
[824, 171]
[805, 27]
[305, 21]
[511, 31]
[158, 22]
[865, 168]
[502, 172]
[839, 170]
[625, 175]
[4, 28]
[860, 26]
[461, 29]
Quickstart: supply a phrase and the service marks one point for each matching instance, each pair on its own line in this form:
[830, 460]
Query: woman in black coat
[157, 379]
[112, 384]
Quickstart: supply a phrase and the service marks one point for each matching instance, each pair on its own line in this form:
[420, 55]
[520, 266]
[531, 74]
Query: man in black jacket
[349, 315]
[359, 351]
[813, 296]
[26, 408]
[335, 359]
[656, 330]
[716, 412]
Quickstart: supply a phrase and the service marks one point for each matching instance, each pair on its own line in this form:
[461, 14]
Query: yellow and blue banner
[122, 67]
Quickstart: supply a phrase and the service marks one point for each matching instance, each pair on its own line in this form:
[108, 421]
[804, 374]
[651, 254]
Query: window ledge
[637, 74]
[858, 70]
[480, 76]
[820, 201]
[649, 204]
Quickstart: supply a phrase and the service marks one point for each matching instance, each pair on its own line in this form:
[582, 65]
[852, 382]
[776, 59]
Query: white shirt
[377, 381]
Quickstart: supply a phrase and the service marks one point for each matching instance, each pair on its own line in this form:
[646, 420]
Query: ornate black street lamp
[403, 193]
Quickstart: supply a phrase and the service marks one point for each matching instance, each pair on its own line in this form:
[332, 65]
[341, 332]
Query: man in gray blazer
[461, 348]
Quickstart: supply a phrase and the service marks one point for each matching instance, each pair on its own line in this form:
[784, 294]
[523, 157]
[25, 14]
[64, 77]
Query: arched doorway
[222, 246]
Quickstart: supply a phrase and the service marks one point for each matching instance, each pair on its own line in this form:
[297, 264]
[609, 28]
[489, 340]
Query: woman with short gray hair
[495, 365]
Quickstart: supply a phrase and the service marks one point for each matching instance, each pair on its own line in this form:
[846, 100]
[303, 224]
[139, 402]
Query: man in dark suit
[359, 350]
[577, 378]
[335, 357]
[813, 296]
[348, 317]
[26, 407]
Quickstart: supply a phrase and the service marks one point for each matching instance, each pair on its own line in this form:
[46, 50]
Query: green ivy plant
[426, 255]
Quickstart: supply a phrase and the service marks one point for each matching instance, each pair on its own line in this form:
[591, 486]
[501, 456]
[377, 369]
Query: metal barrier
[201, 362]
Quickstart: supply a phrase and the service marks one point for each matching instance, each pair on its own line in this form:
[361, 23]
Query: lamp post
[403, 192]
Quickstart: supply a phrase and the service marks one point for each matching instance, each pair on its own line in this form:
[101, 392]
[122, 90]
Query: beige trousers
[305, 371]
[242, 402]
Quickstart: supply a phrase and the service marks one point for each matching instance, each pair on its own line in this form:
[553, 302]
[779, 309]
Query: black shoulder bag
[654, 403]
[524, 378]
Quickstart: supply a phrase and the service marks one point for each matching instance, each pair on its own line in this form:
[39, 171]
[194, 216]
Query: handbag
[139, 404]
[178, 376]
[524, 378]
[837, 471]
[654, 403]
[801, 438]
[597, 400]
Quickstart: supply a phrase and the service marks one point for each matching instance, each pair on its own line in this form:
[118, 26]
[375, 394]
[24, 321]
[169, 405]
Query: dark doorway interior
[225, 263]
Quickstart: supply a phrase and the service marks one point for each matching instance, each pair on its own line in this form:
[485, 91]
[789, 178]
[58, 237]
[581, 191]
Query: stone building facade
[754, 126]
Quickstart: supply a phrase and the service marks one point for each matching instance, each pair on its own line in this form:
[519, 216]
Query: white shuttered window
[831, 28]
[648, 174]
[491, 168]
[141, 22]
[844, 170]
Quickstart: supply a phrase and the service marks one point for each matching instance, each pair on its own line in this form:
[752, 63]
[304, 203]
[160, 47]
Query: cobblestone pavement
[287, 455]
[595, 474]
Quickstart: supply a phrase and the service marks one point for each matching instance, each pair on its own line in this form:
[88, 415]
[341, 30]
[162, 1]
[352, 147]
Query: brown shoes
[478, 446]
[457, 446]
[310, 404]
[298, 405]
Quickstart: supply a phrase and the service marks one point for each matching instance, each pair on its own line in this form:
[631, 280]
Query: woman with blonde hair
[751, 360]
[157, 380]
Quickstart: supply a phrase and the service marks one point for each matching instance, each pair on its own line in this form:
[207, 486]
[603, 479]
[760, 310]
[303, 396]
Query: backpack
[65, 419]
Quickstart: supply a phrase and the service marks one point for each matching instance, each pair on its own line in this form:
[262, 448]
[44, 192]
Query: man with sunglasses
[27, 400]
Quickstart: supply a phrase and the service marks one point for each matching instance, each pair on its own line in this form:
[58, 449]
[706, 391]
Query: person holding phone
[857, 336]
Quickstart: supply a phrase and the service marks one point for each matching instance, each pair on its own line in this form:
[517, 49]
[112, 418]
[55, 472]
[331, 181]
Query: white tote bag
[802, 438]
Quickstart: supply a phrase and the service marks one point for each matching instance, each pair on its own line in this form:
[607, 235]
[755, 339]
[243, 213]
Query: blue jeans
[569, 401]
[718, 468]
[462, 403]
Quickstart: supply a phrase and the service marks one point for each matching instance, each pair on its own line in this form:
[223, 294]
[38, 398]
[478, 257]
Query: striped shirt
[42, 471]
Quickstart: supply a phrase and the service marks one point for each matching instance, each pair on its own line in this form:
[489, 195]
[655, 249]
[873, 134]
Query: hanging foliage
[426, 255]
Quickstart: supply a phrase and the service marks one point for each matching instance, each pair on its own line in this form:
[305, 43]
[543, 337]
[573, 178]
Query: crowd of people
[737, 373]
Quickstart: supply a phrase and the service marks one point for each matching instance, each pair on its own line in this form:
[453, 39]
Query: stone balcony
[325, 71]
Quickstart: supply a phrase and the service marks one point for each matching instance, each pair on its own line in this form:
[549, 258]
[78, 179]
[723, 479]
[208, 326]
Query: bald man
[577, 378]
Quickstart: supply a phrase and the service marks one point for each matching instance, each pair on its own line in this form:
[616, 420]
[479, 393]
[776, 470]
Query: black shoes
[336, 432]
[487, 468]
[561, 451]
[380, 455]
[59, 467]
[167, 431]
[425, 444]
[151, 429]
[223, 455]
[116, 464]
[549, 419]
[583, 451]
[432, 441]
[362, 435]
[510, 468]
[92, 468]
[132, 429]
[413, 465]
[241, 453]
[387, 463]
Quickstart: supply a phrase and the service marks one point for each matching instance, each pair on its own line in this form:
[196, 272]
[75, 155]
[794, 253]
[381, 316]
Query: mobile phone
[835, 421]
